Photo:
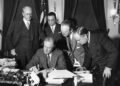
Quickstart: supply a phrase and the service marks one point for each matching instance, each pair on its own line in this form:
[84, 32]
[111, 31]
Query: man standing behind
[78, 53]
[23, 38]
[103, 52]
[53, 29]
[69, 42]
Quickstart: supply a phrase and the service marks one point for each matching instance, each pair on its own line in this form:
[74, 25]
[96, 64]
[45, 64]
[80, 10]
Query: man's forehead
[65, 27]
[51, 17]
[48, 43]
[27, 9]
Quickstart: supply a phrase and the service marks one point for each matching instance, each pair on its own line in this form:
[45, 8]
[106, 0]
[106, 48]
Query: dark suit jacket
[57, 60]
[56, 35]
[15, 31]
[72, 45]
[83, 55]
[102, 50]
[85, 59]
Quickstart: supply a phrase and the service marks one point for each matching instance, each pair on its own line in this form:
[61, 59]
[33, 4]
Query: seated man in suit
[47, 58]
[52, 29]
[102, 50]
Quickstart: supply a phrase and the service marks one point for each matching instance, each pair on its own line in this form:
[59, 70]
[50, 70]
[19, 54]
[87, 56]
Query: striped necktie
[28, 24]
[48, 60]
[52, 28]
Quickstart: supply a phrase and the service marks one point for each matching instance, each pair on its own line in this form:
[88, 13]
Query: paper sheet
[60, 74]
[54, 81]
[86, 77]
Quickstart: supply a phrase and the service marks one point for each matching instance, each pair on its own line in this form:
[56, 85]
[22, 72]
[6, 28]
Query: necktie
[52, 28]
[70, 49]
[68, 43]
[27, 24]
[48, 60]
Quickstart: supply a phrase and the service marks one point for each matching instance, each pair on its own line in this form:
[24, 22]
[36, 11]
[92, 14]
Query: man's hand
[13, 52]
[107, 72]
[45, 72]
[50, 70]
[76, 63]
[34, 68]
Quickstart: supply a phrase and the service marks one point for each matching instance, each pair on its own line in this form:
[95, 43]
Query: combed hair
[26, 7]
[66, 22]
[49, 39]
[52, 14]
[81, 30]
[71, 23]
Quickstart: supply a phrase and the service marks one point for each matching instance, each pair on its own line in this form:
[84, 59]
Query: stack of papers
[6, 70]
[54, 81]
[59, 76]
[7, 62]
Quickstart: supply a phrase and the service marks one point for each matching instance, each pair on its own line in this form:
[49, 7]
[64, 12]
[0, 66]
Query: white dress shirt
[88, 37]
[53, 28]
[27, 23]
[50, 55]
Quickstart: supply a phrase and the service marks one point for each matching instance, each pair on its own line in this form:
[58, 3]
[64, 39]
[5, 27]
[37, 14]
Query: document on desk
[54, 81]
[61, 74]
[86, 77]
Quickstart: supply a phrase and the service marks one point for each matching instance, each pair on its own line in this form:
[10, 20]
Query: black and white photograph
[59, 42]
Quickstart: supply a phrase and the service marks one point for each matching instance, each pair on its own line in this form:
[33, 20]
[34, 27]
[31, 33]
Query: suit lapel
[56, 30]
[73, 44]
[31, 29]
[91, 40]
[92, 44]
[23, 23]
[68, 43]
[44, 60]
[18, 31]
[53, 59]
[49, 28]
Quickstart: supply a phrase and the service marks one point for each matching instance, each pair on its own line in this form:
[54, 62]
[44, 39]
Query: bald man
[23, 38]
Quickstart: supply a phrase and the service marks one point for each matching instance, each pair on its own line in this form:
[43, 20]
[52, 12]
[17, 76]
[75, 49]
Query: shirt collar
[50, 55]
[25, 21]
[71, 36]
[89, 34]
[53, 26]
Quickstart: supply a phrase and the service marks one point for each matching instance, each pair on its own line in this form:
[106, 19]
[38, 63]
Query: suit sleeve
[112, 51]
[61, 64]
[9, 36]
[34, 61]
[88, 58]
